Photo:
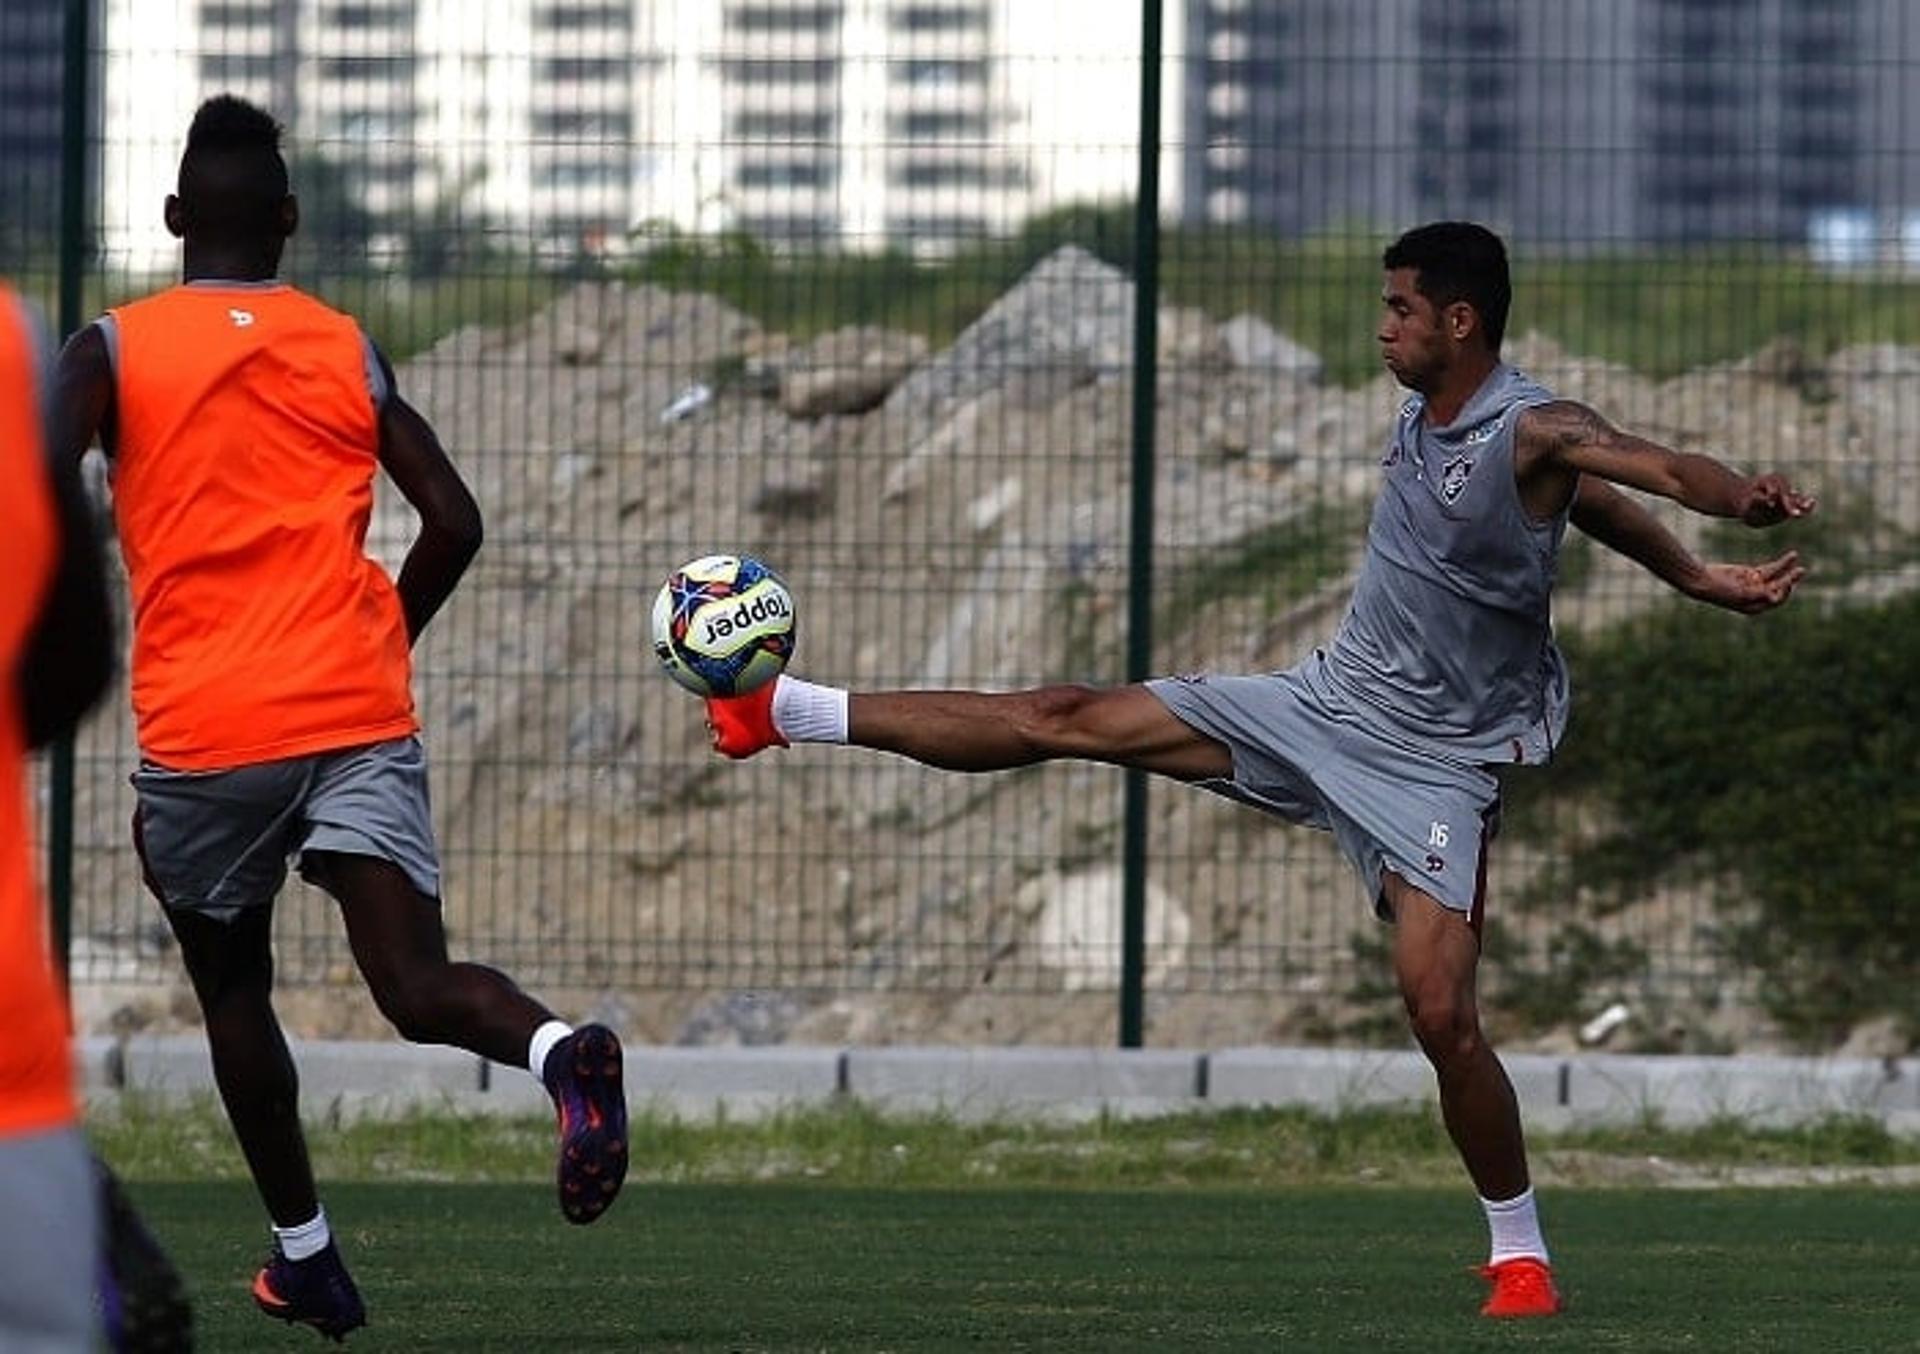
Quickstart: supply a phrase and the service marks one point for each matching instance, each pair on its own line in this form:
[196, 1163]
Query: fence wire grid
[848, 285]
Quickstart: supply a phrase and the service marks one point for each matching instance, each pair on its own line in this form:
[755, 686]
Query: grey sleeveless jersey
[1448, 642]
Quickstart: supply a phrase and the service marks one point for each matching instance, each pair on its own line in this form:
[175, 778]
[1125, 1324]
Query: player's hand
[1750, 588]
[1769, 499]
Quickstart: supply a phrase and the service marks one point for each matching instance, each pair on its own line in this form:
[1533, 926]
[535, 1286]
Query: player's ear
[289, 215]
[1460, 321]
[175, 215]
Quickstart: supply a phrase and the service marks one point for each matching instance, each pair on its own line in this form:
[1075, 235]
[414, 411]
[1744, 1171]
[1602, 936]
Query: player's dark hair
[1458, 261]
[232, 175]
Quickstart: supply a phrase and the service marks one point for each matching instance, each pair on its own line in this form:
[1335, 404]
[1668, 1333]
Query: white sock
[1514, 1225]
[309, 1238]
[805, 713]
[544, 1038]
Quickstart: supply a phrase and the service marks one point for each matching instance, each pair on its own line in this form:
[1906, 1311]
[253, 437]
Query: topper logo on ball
[763, 610]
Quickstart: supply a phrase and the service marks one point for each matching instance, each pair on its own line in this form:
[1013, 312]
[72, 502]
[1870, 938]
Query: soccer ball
[723, 625]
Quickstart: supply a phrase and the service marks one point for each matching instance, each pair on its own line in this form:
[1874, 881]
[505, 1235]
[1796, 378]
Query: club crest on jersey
[1453, 477]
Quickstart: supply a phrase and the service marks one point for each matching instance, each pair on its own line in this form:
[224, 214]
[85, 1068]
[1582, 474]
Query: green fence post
[1146, 307]
[74, 95]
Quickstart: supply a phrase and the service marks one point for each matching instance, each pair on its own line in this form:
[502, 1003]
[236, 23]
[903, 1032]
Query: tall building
[1582, 122]
[1752, 117]
[589, 125]
[1296, 114]
[589, 63]
[31, 52]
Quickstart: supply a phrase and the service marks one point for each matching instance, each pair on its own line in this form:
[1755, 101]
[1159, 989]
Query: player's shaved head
[233, 179]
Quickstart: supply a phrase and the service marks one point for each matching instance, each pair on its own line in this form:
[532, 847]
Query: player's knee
[1445, 1024]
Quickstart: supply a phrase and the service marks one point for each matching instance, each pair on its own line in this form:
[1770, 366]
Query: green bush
[1777, 757]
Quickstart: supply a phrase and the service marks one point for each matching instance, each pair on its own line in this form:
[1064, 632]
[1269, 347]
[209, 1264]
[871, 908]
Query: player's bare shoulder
[1545, 439]
[1559, 426]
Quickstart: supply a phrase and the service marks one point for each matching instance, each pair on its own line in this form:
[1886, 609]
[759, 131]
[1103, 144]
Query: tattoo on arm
[1565, 424]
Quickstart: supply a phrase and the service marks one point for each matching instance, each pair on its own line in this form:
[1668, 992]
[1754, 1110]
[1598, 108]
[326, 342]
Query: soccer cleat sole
[593, 1132]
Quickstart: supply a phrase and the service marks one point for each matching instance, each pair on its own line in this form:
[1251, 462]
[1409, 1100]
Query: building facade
[1581, 123]
[31, 82]
[593, 125]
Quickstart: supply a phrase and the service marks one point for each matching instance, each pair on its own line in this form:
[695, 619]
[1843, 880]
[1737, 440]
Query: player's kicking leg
[401, 946]
[974, 730]
[1435, 953]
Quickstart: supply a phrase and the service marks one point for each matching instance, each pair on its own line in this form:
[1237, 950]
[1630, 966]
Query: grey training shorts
[219, 841]
[49, 1229]
[1303, 753]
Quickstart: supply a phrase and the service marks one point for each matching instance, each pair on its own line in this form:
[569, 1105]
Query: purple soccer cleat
[583, 1077]
[316, 1291]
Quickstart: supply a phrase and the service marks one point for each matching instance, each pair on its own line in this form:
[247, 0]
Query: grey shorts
[219, 841]
[49, 1228]
[1301, 753]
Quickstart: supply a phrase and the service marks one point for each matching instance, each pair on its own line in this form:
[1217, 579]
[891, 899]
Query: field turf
[824, 1267]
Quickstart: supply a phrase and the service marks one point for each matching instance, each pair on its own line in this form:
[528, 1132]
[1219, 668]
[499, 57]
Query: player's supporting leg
[230, 965]
[400, 945]
[976, 730]
[1436, 952]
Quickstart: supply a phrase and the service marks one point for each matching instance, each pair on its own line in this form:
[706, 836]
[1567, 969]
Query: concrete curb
[1060, 1084]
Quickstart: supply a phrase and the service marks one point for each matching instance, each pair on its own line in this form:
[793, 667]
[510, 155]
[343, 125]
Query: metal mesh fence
[848, 286]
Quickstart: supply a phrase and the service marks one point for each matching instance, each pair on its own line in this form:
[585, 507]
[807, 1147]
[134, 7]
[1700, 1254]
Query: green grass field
[785, 1267]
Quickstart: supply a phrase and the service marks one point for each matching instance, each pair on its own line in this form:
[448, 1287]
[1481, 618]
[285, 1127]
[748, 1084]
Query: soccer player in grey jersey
[1444, 668]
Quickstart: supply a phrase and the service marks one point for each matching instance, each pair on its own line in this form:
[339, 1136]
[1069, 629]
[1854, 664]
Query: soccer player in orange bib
[244, 422]
[55, 644]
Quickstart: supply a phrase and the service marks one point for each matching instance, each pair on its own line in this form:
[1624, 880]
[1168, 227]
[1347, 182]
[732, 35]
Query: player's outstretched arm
[1557, 443]
[450, 526]
[1619, 523]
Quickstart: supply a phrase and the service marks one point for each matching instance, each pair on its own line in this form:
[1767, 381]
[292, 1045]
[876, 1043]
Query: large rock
[848, 371]
[1256, 346]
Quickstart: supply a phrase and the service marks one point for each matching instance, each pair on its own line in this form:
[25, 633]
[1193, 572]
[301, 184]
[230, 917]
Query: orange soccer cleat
[1521, 1287]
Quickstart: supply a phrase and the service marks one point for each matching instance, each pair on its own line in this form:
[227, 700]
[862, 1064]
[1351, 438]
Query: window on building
[804, 125]
[767, 226]
[570, 18]
[220, 68]
[937, 228]
[924, 73]
[936, 18]
[938, 124]
[598, 123]
[368, 16]
[595, 69]
[777, 18]
[816, 71]
[393, 69]
[811, 174]
[943, 174]
[235, 14]
[580, 175]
